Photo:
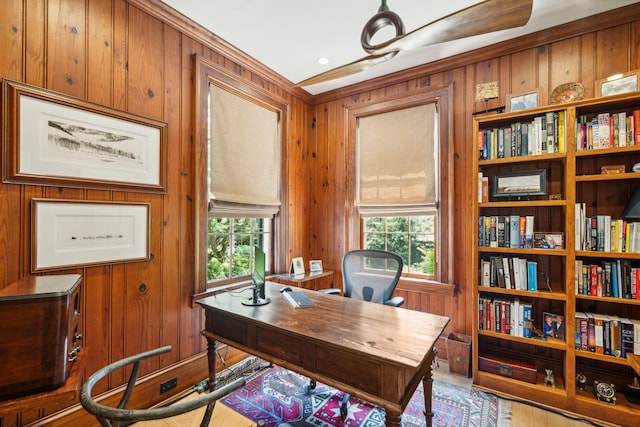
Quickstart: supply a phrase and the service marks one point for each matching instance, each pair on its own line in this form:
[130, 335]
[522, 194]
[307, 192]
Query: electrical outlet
[168, 385]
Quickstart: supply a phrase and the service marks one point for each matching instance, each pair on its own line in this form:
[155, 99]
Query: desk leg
[392, 419]
[427, 386]
[212, 352]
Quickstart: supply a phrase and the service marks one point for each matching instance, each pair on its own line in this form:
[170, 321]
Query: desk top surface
[396, 335]
[304, 277]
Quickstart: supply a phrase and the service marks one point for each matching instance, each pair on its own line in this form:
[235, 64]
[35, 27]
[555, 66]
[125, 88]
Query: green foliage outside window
[230, 243]
[411, 237]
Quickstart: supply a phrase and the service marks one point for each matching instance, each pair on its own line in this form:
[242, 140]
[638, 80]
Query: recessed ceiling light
[323, 60]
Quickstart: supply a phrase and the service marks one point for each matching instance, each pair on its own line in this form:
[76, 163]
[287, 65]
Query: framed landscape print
[54, 139]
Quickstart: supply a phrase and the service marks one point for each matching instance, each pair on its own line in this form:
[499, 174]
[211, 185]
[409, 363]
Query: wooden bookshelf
[572, 177]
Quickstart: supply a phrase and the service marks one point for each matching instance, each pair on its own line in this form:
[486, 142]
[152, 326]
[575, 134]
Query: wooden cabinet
[537, 165]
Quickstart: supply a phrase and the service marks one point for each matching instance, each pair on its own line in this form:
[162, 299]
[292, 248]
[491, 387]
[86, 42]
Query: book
[529, 219]
[532, 276]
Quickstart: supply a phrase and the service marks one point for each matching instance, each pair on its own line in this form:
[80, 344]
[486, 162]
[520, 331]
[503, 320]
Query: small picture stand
[315, 266]
[297, 267]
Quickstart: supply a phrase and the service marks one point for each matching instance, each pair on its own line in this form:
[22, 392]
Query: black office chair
[114, 417]
[368, 275]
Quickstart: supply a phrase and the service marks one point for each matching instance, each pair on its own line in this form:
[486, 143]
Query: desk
[302, 279]
[375, 352]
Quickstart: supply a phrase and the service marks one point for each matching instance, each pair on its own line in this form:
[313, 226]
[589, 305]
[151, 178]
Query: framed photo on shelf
[297, 266]
[315, 266]
[523, 101]
[617, 84]
[548, 240]
[54, 139]
[72, 234]
[522, 183]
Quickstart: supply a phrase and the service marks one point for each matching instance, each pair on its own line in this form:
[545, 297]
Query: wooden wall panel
[131, 55]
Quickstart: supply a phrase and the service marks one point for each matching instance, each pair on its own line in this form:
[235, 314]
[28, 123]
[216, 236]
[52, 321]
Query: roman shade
[396, 156]
[244, 161]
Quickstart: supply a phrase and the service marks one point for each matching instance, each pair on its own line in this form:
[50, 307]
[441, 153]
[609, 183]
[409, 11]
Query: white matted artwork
[315, 266]
[71, 234]
[53, 139]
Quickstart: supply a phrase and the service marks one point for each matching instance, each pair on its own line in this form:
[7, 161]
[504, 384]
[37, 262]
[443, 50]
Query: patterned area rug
[277, 396]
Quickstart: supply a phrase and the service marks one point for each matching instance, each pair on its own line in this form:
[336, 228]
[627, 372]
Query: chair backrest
[370, 274]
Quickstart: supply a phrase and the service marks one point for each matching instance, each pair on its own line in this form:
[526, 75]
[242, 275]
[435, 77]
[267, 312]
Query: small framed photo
[553, 325]
[315, 266]
[548, 240]
[617, 84]
[523, 101]
[523, 183]
[297, 266]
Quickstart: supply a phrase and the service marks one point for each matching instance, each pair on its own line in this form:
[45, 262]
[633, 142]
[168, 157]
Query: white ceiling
[289, 36]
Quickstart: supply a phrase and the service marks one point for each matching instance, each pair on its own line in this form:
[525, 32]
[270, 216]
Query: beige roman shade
[244, 159]
[396, 162]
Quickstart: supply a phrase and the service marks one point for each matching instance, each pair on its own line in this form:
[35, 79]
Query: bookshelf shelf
[587, 140]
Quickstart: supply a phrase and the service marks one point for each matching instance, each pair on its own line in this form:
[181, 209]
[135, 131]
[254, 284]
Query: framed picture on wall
[54, 139]
[617, 84]
[73, 234]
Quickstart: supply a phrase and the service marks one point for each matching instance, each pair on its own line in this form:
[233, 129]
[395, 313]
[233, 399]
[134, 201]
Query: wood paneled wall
[136, 55]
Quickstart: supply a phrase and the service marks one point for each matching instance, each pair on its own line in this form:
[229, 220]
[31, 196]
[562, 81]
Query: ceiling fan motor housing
[383, 18]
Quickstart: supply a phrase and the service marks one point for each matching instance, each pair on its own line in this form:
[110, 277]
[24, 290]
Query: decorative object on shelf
[632, 209]
[54, 139]
[612, 169]
[581, 381]
[605, 391]
[618, 83]
[548, 240]
[567, 92]
[485, 92]
[636, 167]
[315, 266]
[549, 378]
[521, 183]
[523, 101]
[73, 234]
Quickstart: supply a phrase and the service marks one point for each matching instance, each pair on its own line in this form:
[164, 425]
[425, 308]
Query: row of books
[605, 234]
[505, 231]
[509, 273]
[505, 316]
[608, 130]
[607, 334]
[544, 134]
[615, 279]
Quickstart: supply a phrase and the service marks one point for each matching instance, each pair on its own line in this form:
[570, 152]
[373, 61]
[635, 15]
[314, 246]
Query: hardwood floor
[513, 413]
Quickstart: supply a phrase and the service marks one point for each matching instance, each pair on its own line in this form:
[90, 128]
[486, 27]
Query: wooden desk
[375, 352]
[307, 278]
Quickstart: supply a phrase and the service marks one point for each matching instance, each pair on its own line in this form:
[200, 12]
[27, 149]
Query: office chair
[114, 417]
[368, 275]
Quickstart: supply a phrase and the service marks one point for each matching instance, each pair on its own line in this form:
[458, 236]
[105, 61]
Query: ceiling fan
[485, 17]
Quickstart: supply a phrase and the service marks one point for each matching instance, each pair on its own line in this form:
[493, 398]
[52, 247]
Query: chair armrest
[330, 291]
[395, 301]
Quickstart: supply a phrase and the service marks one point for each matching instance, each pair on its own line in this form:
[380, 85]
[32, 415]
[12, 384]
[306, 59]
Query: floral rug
[277, 396]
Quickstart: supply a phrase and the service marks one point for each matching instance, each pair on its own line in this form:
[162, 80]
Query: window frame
[206, 72]
[441, 95]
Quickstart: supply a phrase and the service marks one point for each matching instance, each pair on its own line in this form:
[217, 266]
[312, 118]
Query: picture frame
[618, 84]
[54, 139]
[524, 101]
[520, 184]
[315, 266]
[297, 266]
[547, 240]
[71, 234]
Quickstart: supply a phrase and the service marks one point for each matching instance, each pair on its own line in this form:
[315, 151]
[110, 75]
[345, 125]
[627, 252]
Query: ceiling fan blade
[346, 70]
[481, 18]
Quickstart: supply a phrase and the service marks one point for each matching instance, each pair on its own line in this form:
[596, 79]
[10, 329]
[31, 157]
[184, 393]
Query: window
[239, 144]
[229, 246]
[400, 181]
[411, 237]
